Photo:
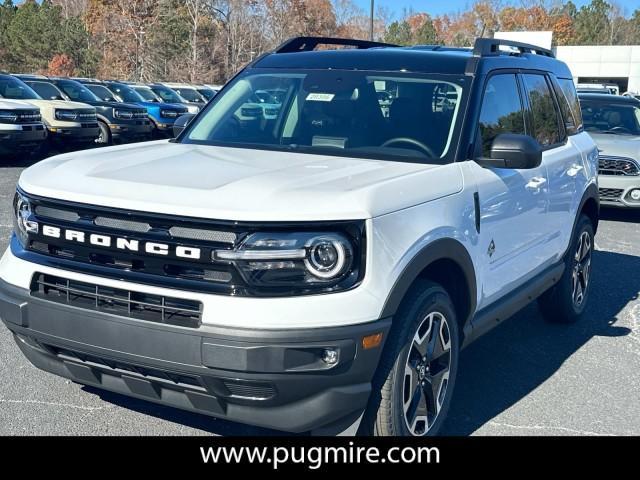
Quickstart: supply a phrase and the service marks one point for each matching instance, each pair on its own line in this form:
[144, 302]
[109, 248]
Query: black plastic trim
[445, 248]
[205, 370]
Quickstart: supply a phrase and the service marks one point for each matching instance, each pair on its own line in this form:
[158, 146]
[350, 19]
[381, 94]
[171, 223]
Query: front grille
[610, 165]
[118, 224]
[612, 194]
[28, 116]
[86, 115]
[124, 303]
[250, 391]
[140, 114]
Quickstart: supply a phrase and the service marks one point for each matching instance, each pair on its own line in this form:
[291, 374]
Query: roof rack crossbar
[485, 47]
[307, 44]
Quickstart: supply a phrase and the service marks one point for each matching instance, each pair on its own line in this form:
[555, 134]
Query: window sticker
[320, 97]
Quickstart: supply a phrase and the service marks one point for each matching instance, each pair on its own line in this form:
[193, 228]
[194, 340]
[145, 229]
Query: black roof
[609, 98]
[486, 56]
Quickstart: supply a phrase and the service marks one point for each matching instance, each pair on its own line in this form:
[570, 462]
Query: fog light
[635, 194]
[330, 356]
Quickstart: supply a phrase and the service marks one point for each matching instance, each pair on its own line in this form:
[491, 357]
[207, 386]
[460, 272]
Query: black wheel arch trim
[591, 193]
[440, 249]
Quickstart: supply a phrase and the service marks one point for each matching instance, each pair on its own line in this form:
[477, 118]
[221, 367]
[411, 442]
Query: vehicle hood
[164, 106]
[6, 103]
[62, 104]
[116, 105]
[238, 184]
[618, 145]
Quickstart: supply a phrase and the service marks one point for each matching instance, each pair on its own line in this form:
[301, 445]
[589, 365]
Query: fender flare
[441, 249]
[591, 193]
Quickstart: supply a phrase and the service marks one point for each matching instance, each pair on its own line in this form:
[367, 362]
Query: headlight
[66, 115]
[307, 261]
[22, 223]
[193, 108]
[168, 113]
[7, 116]
[123, 114]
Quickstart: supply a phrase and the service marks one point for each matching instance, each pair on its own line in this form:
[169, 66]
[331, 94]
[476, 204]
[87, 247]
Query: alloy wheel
[581, 269]
[426, 374]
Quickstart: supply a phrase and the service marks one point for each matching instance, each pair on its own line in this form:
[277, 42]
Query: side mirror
[56, 97]
[181, 123]
[511, 150]
[109, 99]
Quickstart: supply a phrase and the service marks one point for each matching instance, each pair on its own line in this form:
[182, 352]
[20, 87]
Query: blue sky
[436, 7]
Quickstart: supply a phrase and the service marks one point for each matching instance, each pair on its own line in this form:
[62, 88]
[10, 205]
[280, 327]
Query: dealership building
[604, 64]
[619, 64]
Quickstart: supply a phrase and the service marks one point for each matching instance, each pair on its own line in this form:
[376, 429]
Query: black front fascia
[171, 270]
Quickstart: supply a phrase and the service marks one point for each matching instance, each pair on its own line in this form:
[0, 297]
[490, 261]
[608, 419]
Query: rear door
[561, 158]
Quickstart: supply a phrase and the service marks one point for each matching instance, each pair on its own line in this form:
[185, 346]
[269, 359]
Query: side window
[546, 127]
[501, 110]
[570, 95]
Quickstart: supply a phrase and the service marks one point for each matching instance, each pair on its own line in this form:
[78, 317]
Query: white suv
[321, 270]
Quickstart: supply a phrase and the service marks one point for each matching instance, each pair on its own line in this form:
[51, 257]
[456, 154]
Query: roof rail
[485, 47]
[307, 44]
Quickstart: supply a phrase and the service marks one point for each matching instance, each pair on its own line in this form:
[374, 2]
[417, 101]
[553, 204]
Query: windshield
[334, 112]
[191, 95]
[127, 93]
[16, 89]
[77, 92]
[46, 90]
[147, 94]
[602, 117]
[101, 92]
[167, 95]
[207, 93]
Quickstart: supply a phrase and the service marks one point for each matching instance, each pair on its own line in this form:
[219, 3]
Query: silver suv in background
[614, 123]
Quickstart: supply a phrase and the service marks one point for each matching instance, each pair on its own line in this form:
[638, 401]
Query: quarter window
[501, 110]
[546, 128]
[571, 97]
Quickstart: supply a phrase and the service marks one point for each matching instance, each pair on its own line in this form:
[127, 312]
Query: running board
[499, 311]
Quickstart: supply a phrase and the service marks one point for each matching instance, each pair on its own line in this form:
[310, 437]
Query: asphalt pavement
[526, 377]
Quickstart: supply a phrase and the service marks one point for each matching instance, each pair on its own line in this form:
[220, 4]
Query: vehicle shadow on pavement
[510, 362]
[496, 371]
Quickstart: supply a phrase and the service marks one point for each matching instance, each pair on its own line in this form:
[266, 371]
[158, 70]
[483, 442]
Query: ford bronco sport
[70, 125]
[21, 127]
[318, 271]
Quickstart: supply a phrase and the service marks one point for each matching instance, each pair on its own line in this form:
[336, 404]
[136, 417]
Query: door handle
[574, 170]
[536, 183]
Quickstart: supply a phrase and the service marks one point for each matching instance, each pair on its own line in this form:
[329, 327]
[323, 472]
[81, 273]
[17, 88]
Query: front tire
[104, 138]
[414, 383]
[566, 301]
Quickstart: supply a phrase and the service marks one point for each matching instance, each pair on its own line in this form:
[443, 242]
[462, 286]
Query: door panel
[513, 202]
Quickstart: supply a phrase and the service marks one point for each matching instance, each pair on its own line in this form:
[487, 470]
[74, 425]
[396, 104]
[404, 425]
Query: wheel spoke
[416, 409]
[426, 373]
[437, 386]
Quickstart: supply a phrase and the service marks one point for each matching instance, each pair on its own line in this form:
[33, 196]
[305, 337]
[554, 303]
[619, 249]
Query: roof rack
[485, 47]
[307, 44]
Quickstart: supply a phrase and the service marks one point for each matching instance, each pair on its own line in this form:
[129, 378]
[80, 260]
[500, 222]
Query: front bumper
[615, 191]
[131, 130]
[21, 137]
[85, 134]
[269, 378]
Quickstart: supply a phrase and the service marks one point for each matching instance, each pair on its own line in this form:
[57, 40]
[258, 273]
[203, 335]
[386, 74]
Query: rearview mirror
[181, 123]
[511, 150]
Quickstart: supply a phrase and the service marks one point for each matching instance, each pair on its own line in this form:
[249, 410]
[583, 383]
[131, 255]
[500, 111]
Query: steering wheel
[410, 141]
[620, 129]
